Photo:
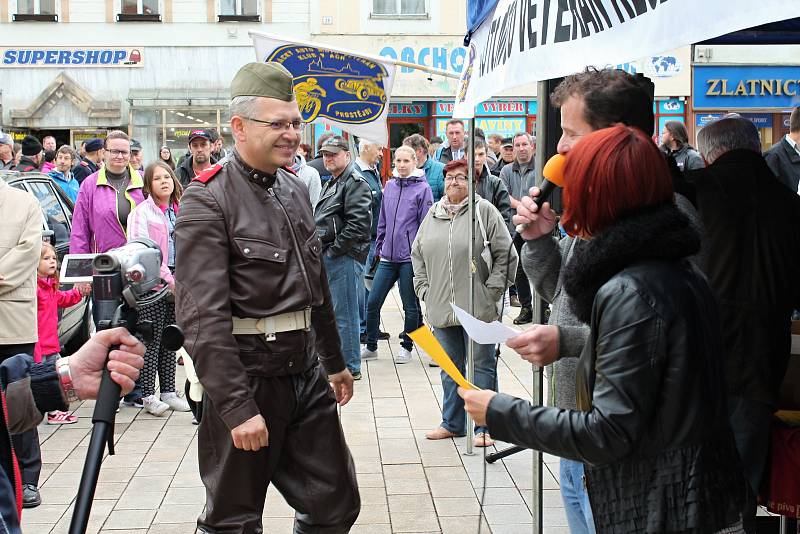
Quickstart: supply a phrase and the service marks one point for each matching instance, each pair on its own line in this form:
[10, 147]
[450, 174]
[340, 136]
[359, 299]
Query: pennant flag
[343, 89]
[525, 41]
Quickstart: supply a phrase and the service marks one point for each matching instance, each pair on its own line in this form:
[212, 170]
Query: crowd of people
[669, 284]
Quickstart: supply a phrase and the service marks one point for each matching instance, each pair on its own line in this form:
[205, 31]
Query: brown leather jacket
[247, 246]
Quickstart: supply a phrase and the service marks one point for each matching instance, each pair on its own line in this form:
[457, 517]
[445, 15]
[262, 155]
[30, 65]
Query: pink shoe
[61, 418]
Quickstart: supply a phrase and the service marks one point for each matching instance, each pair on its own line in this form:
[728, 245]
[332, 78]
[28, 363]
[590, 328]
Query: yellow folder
[423, 337]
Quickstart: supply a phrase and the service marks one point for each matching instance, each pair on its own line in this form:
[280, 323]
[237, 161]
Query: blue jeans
[576, 498]
[454, 342]
[388, 273]
[346, 281]
[364, 295]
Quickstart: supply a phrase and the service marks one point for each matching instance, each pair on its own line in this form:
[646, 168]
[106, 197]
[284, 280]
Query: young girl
[49, 300]
[155, 219]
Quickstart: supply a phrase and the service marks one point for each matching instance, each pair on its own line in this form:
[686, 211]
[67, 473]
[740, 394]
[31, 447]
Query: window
[55, 216]
[246, 10]
[139, 10]
[36, 10]
[401, 8]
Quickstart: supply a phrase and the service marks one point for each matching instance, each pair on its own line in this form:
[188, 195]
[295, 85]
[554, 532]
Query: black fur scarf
[656, 233]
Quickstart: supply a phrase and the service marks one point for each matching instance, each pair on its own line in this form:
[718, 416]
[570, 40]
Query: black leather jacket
[652, 424]
[343, 215]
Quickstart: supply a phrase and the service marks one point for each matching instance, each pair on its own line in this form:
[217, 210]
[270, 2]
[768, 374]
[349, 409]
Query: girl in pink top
[49, 300]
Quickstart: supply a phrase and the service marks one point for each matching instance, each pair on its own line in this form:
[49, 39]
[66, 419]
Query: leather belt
[269, 326]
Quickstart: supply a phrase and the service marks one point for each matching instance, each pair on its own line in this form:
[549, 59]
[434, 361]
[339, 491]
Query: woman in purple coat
[407, 198]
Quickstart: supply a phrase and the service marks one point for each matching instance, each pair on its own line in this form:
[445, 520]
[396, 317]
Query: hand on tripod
[124, 363]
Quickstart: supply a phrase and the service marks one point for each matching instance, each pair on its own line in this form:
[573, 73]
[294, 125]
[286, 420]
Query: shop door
[62, 136]
[399, 130]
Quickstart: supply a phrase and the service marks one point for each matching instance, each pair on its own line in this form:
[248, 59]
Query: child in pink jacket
[49, 299]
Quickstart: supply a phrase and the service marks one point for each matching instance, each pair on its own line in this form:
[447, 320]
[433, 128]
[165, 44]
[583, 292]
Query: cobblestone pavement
[408, 483]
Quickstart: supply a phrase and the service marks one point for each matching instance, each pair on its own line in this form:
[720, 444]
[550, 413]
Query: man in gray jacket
[518, 177]
[589, 101]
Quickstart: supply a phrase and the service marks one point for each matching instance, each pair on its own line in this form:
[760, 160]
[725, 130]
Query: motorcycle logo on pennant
[333, 85]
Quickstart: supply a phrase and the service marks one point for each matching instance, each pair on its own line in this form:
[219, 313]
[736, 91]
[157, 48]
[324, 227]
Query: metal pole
[537, 390]
[471, 258]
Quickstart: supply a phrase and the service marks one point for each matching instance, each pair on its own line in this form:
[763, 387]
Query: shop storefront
[764, 94]
[138, 90]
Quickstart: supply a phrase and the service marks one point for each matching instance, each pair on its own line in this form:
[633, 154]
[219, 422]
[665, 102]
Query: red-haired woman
[651, 425]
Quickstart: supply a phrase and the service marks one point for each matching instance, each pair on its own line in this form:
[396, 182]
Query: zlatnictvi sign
[13, 57]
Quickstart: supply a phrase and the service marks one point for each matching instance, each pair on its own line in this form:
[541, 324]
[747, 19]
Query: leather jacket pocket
[248, 249]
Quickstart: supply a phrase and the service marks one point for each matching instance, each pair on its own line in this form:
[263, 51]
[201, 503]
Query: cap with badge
[199, 134]
[268, 80]
[31, 146]
[507, 141]
[334, 145]
[136, 146]
[93, 145]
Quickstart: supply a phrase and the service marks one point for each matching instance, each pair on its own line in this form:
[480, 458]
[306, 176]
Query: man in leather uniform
[253, 299]
[344, 221]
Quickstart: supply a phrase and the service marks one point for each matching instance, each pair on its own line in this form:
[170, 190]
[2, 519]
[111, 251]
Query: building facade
[154, 68]
[762, 83]
[431, 33]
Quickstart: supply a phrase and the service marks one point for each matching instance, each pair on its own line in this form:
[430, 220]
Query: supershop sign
[70, 57]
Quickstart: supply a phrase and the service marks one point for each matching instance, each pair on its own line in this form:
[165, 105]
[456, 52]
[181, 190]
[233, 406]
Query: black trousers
[26, 445]
[307, 459]
[521, 281]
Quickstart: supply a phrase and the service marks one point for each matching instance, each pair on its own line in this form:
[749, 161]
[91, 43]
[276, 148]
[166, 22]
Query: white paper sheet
[481, 332]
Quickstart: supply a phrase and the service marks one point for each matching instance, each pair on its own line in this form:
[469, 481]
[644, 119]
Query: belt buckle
[307, 318]
[262, 325]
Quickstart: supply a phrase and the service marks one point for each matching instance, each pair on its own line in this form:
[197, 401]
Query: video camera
[123, 279]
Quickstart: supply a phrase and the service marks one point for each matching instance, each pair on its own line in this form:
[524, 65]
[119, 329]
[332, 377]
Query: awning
[165, 98]
[783, 32]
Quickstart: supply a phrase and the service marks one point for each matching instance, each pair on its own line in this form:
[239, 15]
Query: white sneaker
[175, 403]
[367, 354]
[154, 406]
[404, 356]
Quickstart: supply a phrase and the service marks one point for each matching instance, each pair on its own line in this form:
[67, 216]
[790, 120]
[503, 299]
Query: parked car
[75, 324]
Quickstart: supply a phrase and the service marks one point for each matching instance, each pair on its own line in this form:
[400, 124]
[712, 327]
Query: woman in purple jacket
[407, 198]
[105, 199]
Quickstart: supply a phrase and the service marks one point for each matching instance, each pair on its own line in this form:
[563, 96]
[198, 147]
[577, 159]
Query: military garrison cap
[270, 80]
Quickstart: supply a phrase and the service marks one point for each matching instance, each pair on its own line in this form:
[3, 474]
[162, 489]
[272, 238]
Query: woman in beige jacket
[439, 256]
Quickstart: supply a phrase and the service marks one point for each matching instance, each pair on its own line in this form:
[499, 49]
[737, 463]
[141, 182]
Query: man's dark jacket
[27, 391]
[84, 168]
[447, 155]
[492, 188]
[27, 165]
[784, 161]
[185, 171]
[751, 255]
[343, 215]
[253, 233]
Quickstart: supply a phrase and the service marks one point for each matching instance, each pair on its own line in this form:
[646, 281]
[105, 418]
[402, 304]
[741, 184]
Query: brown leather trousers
[307, 459]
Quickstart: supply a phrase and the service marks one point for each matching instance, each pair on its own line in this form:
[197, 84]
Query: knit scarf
[451, 208]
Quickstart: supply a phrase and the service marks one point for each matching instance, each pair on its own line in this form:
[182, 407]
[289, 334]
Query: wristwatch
[65, 379]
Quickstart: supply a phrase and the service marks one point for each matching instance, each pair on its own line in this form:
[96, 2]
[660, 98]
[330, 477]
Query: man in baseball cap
[136, 156]
[253, 299]
[199, 158]
[6, 152]
[91, 161]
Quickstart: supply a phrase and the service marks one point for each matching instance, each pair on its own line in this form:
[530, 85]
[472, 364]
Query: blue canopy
[477, 10]
[783, 32]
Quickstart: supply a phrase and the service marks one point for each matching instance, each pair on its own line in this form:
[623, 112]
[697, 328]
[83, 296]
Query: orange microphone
[553, 177]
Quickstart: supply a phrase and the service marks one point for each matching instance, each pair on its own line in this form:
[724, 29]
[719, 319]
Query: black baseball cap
[507, 141]
[194, 134]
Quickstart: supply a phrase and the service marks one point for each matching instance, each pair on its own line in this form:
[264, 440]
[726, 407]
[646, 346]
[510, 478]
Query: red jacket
[49, 299]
